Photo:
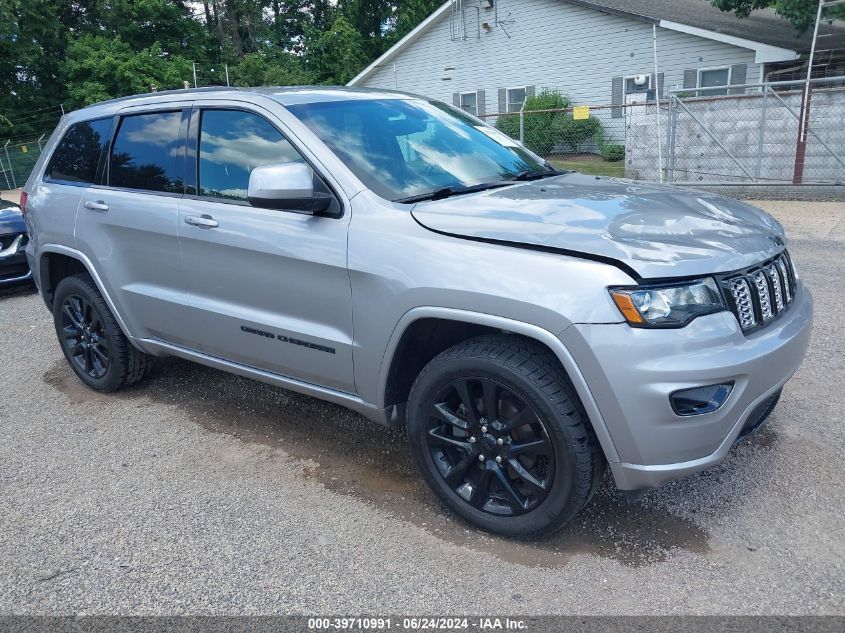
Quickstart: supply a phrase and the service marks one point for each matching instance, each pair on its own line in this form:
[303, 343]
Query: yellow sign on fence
[24, 149]
[581, 112]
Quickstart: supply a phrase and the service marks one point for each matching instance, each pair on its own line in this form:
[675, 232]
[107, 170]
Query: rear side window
[146, 153]
[232, 144]
[78, 153]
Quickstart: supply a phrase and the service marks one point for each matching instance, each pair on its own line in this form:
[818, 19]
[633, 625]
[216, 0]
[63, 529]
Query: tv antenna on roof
[462, 13]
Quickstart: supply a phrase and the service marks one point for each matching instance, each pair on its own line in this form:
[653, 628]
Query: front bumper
[631, 373]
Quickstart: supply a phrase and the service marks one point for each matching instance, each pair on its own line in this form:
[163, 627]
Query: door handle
[99, 205]
[202, 221]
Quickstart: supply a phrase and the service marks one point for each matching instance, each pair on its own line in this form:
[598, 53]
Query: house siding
[552, 44]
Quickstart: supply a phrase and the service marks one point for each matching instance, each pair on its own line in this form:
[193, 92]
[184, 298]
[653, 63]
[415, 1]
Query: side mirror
[287, 186]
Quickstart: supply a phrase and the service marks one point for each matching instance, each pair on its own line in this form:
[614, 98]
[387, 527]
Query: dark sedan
[14, 269]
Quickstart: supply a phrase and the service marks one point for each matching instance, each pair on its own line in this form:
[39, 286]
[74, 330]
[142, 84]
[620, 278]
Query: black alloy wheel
[500, 436]
[91, 339]
[84, 337]
[490, 446]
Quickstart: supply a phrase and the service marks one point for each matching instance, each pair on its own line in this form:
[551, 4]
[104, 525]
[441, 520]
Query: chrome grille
[787, 292]
[744, 308]
[759, 294]
[762, 286]
[774, 278]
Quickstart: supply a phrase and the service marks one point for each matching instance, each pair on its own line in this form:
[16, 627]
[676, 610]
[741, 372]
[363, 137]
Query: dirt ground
[202, 492]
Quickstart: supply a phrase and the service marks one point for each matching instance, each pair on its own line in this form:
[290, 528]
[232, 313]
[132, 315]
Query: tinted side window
[147, 153]
[232, 144]
[78, 153]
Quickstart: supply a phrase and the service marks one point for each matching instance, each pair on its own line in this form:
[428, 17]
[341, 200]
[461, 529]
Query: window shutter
[481, 102]
[503, 100]
[690, 78]
[738, 75]
[617, 96]
[530, 92]
[456, 99]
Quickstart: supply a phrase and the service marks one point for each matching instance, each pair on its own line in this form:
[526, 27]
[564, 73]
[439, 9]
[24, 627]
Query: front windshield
[405, 148]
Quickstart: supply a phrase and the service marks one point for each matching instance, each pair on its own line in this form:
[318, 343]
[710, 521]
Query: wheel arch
[55, 262]
[427, 331]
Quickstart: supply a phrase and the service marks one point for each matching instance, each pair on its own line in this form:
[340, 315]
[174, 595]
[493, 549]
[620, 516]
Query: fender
[89, 267]
[517, 327]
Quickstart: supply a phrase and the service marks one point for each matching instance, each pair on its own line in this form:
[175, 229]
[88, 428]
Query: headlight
[667, 305]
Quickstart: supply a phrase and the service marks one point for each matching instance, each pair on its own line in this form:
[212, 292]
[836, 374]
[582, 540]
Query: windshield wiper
[448, 192]
[531, 174]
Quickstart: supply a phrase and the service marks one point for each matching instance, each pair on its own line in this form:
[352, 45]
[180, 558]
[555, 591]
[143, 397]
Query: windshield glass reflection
[405, 148]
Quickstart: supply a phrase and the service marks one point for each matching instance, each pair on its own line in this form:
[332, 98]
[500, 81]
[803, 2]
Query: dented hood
[646, 229]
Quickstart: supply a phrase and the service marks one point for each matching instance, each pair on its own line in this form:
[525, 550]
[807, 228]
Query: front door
[269, 288]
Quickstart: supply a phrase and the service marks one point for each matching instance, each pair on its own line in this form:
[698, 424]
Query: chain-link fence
[17, 160]
[778, 133]
[588, 138]
[786, 132]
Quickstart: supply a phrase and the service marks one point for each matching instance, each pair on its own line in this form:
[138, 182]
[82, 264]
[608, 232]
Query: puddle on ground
[350, 455]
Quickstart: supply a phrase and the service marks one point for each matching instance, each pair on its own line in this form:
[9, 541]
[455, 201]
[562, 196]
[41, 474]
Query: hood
[648, 229]
[11, 220]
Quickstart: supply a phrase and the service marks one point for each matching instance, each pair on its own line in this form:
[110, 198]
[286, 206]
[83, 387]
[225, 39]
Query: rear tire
[91, 339]
[526, 470]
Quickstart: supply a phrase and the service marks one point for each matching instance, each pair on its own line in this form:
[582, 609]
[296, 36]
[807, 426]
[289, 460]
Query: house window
[516, 99]
[631, 86]
[469, 102]
[714, 78]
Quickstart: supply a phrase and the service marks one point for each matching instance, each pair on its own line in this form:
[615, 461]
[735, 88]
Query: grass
[593, 165]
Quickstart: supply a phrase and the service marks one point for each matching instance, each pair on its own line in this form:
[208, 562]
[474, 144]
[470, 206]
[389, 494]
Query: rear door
[127, 224]
[73, 167]
[269, 288]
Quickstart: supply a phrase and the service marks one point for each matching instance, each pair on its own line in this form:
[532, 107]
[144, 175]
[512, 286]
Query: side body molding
[517, 327]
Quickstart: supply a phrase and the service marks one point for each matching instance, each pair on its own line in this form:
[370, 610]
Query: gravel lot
[201, 492]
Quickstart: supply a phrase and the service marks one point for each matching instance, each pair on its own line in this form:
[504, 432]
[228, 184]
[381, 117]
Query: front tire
[91, 339]
[500, 435]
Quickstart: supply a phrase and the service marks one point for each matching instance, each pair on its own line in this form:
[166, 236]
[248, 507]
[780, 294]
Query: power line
[37, 117]
[30, 113]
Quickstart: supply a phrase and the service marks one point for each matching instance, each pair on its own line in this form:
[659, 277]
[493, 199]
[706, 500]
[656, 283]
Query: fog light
[700, 400]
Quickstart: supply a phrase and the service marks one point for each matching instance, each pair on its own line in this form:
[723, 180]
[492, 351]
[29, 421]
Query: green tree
[260, 69]
[337, 55]
[100, 67]
[410, 13]
[371, 20]
[142, 23]
[801, 13]
[77, 52]
[33, 44]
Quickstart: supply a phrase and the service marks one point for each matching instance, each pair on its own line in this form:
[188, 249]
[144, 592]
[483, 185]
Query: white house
[487, 55]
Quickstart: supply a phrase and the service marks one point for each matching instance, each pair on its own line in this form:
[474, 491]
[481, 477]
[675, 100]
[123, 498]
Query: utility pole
[657, 100]
[194, 66]
[804, 119]
[226, 66]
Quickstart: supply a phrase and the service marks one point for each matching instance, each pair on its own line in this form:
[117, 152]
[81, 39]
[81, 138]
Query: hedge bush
[612, 152]
[543, 130]
[577, 131]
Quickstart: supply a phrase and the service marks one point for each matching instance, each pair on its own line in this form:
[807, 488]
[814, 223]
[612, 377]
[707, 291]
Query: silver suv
[401, 258]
